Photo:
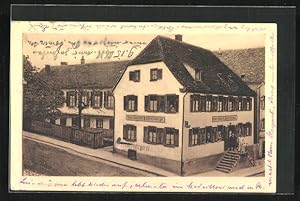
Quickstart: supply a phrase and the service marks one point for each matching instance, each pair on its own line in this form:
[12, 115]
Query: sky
[53, 49]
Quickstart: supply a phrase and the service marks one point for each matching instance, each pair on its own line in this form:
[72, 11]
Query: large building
[89, 84]
[249, 64]
[176, 106]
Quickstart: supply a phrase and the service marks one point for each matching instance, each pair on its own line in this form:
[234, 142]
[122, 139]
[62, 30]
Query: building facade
[87, 89]
[176, 106]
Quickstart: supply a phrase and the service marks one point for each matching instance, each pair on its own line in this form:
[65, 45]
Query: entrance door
[228, 131]
[131, 154]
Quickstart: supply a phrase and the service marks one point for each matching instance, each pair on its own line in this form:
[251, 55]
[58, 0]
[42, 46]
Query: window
[202, 136]
[247, 129]
[172, 103]
[214, 134]
[155, 74]
[208, 103]
[262, 102]
[171, 137]
[130, 103]
[97, 99]
[198, 74]
[240, 130]
[194, 136]
[208, 134]
[129, 133]
[230, 104]
[71, 99]
[86, 122]
[195, 103]
[153, 103]
[99, 123]
[247, 104]
[239, 106]
[63, 121]
[85, 98]
[220, 103]
[225, 103]
[262, 124]
[134, 75]
[110, 102]
[153, 135]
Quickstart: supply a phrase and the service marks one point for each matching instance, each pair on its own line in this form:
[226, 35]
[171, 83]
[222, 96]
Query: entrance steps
[228, 161]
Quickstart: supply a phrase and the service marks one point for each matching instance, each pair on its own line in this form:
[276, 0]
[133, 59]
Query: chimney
[243, 76]
[82, 60]
[178, 37]
[47, 69]
[63, 63]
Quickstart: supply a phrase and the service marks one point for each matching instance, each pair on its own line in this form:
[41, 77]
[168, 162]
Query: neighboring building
[92, 83]
[176, 105]
[249, 64]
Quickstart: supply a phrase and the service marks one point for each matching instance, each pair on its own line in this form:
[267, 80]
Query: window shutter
[176, 137]
[125, 103]
[76, 99]
[92, 99]
[101, 96]
[161, 103]
[177, 103]
[146, 135]
[190, 137]
[105, 98]
[159, 74]
[131, 75]
[250, 103]
[146, 106]
[138, 76]
[125, 132]
[68, 99]
[88, 96]
[191, 102]
[160, 135]
[135, 103]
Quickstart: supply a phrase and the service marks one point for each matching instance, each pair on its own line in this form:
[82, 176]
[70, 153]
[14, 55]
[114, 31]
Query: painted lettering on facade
[137, 147]
[145, 118]
[224, 118]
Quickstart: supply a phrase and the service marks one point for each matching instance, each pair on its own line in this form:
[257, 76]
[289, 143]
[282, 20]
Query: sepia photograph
[143, 107]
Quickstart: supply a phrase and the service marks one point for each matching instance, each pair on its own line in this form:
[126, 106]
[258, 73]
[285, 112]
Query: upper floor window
[99, 123]
[220, 103]
[110, 101]
[71, 98]
[130, 103]
[214, 104]
[135, 75]
[195, 103]
[239, 107]
[165, 103]
[97, 99]
[208, 103]
[198, 74]
[155, 74]
[129, 132]
[85, 98]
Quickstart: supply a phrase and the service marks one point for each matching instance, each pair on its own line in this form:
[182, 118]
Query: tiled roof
[249, 63]
[90, 75]
[217, 78]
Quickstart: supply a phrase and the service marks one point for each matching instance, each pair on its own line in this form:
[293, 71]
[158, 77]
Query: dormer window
[198, 75]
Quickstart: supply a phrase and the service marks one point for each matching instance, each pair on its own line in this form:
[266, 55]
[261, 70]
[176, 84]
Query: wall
[203, 119]
[168, 85]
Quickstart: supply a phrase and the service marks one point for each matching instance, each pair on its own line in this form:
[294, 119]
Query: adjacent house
[89, 84]
[176, 105]
[249, 64]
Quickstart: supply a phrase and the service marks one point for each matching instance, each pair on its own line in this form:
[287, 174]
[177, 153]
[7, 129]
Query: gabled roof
[247, 62]
[90, 75]
[217, 78]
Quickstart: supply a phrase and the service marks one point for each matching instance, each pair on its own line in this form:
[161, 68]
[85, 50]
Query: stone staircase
[228, 162]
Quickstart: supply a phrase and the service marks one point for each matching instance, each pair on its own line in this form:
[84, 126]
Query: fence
[89, 138]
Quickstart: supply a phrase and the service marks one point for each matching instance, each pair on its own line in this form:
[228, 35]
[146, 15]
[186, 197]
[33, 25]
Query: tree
[41, 96]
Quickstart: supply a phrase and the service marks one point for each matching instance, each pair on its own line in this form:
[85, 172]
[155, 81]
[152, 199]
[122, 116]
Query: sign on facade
[145, 118]
[224, 118]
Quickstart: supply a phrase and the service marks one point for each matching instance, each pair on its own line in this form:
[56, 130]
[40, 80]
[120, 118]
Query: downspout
[114, 119]
[181, 160]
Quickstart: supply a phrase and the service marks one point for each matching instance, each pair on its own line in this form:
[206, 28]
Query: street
[42, 159]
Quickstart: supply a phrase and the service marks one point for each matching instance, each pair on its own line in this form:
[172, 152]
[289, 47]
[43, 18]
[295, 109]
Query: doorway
[132, 154]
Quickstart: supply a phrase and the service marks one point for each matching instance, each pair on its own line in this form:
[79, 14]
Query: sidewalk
[106, 155]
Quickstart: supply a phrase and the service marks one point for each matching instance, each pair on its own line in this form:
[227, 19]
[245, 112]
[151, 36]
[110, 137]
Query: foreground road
[52, 161]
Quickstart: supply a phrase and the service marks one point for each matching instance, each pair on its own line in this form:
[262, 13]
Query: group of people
[236, 143]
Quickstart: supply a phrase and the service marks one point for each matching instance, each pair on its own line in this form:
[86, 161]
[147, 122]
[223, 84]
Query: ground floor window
[75, 121]
[211, 134]
[165, 136]
[99, 123]
[129, 132]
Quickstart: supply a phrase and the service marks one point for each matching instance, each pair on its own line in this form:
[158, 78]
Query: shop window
[155, 74]
[134, 75]
[130, 103]
[129, 133]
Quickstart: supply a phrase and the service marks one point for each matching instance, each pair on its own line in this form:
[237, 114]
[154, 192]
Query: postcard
[143, 107]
